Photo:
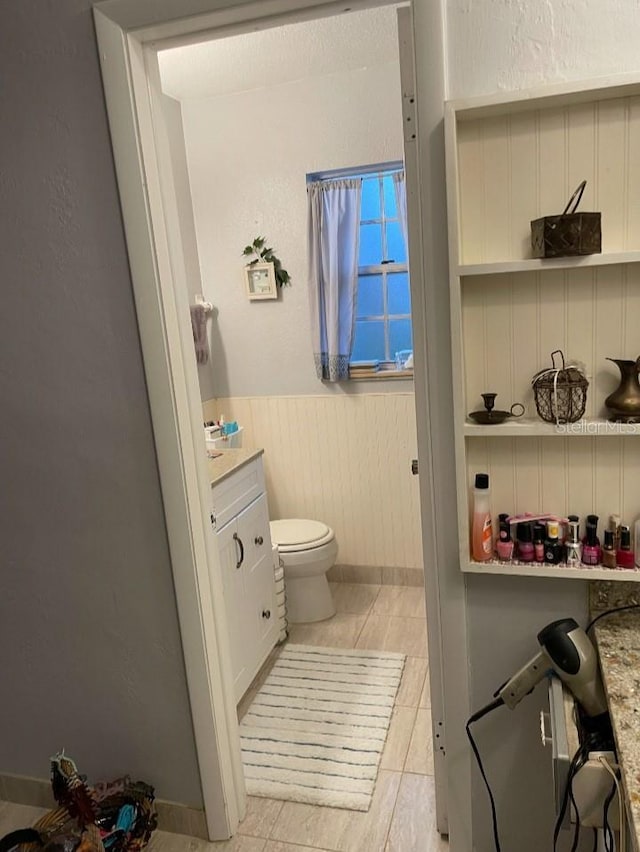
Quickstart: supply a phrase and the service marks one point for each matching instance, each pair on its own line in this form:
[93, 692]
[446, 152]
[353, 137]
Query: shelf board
[541, 264]
[538, 569]
[523, 428]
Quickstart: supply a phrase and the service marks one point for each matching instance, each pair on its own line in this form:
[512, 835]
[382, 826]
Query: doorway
[178, 433]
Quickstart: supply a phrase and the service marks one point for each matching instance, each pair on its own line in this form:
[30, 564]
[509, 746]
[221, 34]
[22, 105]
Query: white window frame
[386, 267]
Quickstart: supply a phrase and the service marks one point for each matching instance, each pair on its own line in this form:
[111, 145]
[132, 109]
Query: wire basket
[560, 392]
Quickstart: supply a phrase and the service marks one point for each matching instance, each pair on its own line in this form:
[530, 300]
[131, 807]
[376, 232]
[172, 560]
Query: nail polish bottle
[573, 546]
[538, 542]
[525, 543]
[591, 552]
[609, 555]
[552, 545]
[614, 525]
[504, 544]
[624, 556]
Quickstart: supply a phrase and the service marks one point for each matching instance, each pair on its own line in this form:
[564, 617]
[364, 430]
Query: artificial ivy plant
[264, 254]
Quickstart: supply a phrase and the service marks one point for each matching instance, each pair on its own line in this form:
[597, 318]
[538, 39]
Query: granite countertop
[618, 640]
[229, 460]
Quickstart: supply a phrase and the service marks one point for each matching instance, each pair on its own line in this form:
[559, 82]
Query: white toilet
[307, 550]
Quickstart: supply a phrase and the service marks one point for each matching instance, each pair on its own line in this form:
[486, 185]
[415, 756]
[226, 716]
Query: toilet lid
[299, 534]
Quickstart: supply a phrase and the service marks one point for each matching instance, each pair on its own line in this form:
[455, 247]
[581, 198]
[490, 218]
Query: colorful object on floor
[315, 731]
[116, 816]
[70, 790]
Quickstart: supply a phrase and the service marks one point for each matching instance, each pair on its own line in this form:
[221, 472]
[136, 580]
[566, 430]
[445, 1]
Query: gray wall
[505, 615]
[90, 652]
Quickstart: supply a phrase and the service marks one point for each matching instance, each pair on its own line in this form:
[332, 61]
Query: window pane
[368, 342]
[390, 210]
[370, 198]
[370, 245]
[395, 243]
[370, 301]
[398, 295]
[400, 335]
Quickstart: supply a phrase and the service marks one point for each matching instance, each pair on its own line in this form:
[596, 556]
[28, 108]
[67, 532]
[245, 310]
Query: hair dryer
[566, 650]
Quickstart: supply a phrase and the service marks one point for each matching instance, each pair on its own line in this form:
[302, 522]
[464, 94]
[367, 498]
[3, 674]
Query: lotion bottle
[481, 531]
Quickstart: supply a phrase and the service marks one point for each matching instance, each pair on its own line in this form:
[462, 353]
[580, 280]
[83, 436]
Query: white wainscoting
[577, 475]
[343, 459]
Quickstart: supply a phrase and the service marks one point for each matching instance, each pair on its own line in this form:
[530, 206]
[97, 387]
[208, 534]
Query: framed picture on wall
[260, 280]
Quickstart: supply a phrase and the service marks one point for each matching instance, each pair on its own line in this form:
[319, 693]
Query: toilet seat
[297, 535]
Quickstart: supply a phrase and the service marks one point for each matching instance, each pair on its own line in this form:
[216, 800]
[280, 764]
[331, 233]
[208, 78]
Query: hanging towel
[199, 326]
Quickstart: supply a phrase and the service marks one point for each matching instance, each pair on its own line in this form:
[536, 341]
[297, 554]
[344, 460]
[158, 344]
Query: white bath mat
[316, 729]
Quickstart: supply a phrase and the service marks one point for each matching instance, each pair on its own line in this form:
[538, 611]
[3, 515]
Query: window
[383, 308]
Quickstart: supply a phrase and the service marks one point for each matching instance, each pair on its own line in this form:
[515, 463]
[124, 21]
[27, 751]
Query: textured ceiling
[280, 55]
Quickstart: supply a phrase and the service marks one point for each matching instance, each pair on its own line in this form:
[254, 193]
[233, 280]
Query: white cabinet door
[253, 528]
[233, 585]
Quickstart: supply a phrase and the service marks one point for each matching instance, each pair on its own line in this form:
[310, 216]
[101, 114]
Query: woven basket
[560, 392]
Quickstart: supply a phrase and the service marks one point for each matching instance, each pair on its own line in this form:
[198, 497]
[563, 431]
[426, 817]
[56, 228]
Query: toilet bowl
[307, 550]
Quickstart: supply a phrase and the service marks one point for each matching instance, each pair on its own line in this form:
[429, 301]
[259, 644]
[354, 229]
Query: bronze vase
[624, 402]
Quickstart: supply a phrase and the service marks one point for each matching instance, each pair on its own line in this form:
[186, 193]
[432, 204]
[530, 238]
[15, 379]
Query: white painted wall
[517, 44]
[248, 156]
[507, 45]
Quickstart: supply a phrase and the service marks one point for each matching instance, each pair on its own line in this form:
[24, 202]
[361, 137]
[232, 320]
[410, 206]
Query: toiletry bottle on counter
[525, 544]
[624, 556]
[609, 549]
[504, 544]
[538, 542]
[591, 552]
[553, 546]
[572, 545]
[481, 531]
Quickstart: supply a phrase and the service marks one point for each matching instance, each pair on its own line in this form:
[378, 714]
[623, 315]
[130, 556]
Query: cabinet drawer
[233, 494]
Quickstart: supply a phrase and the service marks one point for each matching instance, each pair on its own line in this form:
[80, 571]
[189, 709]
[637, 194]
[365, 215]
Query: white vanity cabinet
[240, 523]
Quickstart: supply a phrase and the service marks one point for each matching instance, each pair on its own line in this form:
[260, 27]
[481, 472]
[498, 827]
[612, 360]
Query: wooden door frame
[130, 32]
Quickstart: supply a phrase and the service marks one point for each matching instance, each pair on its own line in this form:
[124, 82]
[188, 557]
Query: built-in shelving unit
[521, 427]
[537, 264]
[536, 569]
[510, 160]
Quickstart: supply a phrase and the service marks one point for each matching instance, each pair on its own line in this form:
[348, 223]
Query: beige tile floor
[402, 813]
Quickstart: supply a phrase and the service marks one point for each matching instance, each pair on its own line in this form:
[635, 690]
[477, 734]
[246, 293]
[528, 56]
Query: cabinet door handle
[266, 613]
[237, 539]
[259, 540]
